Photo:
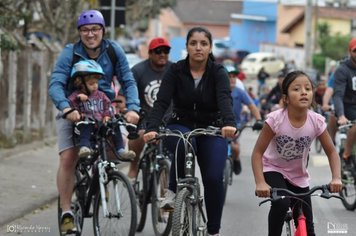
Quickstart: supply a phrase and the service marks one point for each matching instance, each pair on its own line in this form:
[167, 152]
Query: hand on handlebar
[148, 137]
[335, 185]
[228, 131]
[73, 116]
[263, 190]
[132, 117]
[342, 120]
[258, 125]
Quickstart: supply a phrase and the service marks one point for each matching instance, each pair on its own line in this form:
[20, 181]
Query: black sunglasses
[160, 50]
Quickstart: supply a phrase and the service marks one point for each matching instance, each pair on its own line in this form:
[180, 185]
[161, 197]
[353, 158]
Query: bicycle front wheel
[187, 219]
[348, 177]
[227, 175]
[121, 207]
[161, 220]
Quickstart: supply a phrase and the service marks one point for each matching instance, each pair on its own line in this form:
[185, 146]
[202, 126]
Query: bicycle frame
[188, 187]
[281, 193]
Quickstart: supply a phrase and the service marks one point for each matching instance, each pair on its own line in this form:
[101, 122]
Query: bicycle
[348, 170]
[151, 180]
[101, 190]
[300, 228]
[229, 164]
[188, 217]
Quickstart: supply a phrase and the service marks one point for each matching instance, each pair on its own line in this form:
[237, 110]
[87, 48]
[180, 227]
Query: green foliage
[138, 12]
[332, 46]
[319, 62]
[7, 42]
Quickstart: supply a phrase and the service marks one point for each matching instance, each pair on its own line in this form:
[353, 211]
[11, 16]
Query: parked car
[253, 62]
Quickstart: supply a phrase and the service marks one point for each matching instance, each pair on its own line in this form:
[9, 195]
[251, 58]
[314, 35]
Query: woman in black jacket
[200, 92]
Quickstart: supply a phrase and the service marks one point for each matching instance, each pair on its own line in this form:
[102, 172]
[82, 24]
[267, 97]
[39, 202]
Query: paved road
[242, 216]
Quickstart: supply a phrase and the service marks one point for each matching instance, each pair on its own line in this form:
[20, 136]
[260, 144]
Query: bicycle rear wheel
[121, 205]
[141, 188]
[348, 177]
[77, 206]
[162, 220]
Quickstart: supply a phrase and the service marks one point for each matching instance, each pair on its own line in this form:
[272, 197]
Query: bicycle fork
[103, 179]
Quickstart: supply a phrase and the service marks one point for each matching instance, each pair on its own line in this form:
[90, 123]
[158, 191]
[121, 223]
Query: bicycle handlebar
[209, 131]
[277, 193]
[347, 125]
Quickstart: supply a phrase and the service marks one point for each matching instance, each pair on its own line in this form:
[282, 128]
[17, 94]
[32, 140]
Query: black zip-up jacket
[344, 86]
[208, 104]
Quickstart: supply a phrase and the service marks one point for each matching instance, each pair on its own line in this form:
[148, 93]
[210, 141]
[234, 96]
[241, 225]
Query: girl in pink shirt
[280, 155]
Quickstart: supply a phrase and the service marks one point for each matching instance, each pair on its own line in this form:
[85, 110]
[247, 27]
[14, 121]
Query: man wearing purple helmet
[91, 45]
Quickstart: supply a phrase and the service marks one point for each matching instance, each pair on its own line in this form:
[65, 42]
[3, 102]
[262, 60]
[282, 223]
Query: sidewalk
[28, 178]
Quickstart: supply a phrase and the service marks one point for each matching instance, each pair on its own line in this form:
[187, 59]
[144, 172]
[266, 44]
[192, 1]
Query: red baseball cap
[352, 44]
[158, 42]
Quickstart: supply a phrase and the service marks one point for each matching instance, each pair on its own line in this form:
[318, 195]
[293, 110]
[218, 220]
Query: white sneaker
[167, 203]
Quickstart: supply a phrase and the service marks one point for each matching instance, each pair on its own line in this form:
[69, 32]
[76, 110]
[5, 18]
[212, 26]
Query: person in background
[199, 90]
[327, 106]
[274, 98]
[345, 97]
[91, 45]
[280, 155]
[148, 75]
[319, 92]
[240, 98]
[261, 78]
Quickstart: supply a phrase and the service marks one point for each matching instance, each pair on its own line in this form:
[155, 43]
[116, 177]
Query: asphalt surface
[28, 178]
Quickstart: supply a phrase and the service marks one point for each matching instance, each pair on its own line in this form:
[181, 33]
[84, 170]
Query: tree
[57, 18]
[139, 12]
[332, 46]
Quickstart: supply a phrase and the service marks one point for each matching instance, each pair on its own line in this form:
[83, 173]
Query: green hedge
[319, 62]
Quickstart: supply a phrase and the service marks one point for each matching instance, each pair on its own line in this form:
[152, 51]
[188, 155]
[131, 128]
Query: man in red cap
[345, 97]
[148, 75]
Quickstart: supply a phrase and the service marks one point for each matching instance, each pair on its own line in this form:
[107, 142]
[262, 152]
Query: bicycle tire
[317, 145]
[348, 177]
[161, 220]
[141, 187]
[227, 176]
[187, 219]
[123, 223]
[77, 208]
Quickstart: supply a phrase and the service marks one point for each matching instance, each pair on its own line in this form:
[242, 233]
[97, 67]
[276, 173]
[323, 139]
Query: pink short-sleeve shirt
[288, 151]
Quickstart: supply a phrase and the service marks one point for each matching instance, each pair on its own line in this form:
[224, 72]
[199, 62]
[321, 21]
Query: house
[291, 26]
[256, 24]
[175, 23]
[290, 32]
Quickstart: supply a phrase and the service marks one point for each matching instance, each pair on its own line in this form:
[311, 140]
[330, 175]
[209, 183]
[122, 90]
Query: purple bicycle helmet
[90, 17]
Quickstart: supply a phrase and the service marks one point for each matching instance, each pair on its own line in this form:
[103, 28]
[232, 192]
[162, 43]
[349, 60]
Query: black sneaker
[347, 163]
[237, 167]
[68, 225]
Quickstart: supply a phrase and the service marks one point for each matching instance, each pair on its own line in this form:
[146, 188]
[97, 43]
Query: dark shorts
[350, 111]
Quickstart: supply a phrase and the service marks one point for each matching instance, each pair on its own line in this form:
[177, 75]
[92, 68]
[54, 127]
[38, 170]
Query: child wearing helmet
[92, 104]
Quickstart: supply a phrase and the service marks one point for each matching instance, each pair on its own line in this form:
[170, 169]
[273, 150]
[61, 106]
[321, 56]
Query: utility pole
[308, 42]
[112, 20]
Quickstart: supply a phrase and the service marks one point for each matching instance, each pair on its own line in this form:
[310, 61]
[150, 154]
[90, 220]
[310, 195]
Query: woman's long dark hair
[207, 33]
